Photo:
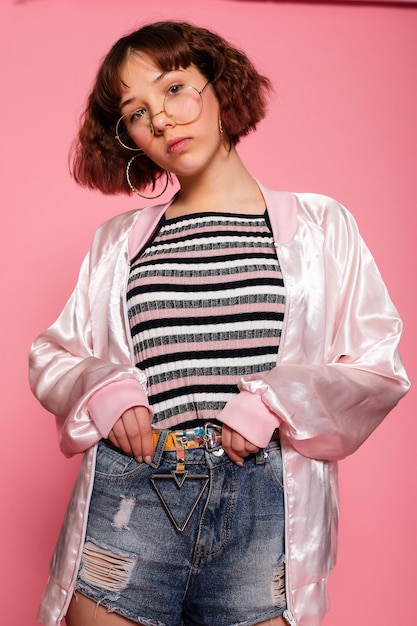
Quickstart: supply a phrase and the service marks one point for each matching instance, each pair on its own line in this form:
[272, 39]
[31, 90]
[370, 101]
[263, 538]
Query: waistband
[207, 436]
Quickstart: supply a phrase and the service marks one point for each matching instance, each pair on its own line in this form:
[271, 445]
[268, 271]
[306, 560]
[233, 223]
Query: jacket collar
[282, 211]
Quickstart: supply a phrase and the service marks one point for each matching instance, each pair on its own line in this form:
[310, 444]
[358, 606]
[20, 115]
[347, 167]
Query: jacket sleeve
[87, 394]
[326, 409]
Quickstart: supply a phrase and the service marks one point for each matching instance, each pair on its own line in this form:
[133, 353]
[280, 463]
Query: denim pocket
[111, 462]
[273, 463]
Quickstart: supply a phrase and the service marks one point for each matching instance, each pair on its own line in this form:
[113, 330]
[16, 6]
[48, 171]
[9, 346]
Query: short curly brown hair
[99, 162]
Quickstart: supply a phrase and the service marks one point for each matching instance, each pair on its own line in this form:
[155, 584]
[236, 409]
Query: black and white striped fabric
[206, 305]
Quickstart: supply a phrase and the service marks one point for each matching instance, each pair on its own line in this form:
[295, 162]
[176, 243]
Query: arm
[86, 391]
[326, 408]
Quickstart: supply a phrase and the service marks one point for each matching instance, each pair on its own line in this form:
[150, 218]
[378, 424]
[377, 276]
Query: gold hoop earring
[129, 182]
[224, 137]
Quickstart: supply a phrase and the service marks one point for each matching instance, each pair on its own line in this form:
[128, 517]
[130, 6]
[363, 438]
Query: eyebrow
[157, 80]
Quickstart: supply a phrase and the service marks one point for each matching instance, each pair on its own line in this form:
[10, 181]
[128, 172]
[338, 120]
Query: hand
[236, 446]
[132, 433]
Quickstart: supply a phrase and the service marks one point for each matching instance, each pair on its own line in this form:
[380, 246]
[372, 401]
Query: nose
[160, 121]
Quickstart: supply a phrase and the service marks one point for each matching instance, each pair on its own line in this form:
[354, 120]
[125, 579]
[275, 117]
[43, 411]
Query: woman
[220, 353]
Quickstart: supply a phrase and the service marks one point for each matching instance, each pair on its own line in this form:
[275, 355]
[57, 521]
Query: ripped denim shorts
[205, 546]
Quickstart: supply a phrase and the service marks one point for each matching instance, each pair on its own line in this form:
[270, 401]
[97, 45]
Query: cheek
[212, 112]
[209, 129]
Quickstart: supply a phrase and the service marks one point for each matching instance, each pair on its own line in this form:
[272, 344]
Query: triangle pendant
[179, 478]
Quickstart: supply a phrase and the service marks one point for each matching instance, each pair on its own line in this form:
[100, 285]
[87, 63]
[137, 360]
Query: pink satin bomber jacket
[337, 376]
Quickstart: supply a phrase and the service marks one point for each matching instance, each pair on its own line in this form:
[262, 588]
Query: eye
[175, 89]
[135, 116]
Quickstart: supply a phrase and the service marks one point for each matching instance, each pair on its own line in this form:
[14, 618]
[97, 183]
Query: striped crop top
[205, 303]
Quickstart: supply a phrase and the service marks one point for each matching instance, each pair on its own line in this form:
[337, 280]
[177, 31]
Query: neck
[225, 187]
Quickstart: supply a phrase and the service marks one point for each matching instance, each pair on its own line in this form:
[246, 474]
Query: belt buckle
[210, 436]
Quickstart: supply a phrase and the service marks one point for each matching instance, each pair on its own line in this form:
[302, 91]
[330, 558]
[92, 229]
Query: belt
[208, 436]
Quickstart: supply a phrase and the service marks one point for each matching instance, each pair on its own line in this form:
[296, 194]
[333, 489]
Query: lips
[174, 146]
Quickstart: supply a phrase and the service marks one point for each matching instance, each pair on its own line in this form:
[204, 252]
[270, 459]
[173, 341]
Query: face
[172, 116]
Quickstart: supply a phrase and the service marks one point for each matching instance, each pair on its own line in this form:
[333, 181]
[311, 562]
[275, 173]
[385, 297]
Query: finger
[242, 446]
[250, 448]
[143, 420]
[236, 458]
[133, 433]
[227, 446]
[119, 438]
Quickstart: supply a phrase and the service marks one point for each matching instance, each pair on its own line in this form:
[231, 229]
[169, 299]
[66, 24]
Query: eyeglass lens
[183, 105]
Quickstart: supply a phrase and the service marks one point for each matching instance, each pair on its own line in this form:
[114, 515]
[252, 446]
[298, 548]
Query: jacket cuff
[247, 414]
[109, 403]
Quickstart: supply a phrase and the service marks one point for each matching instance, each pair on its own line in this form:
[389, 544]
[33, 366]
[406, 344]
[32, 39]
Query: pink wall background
[343, 122]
